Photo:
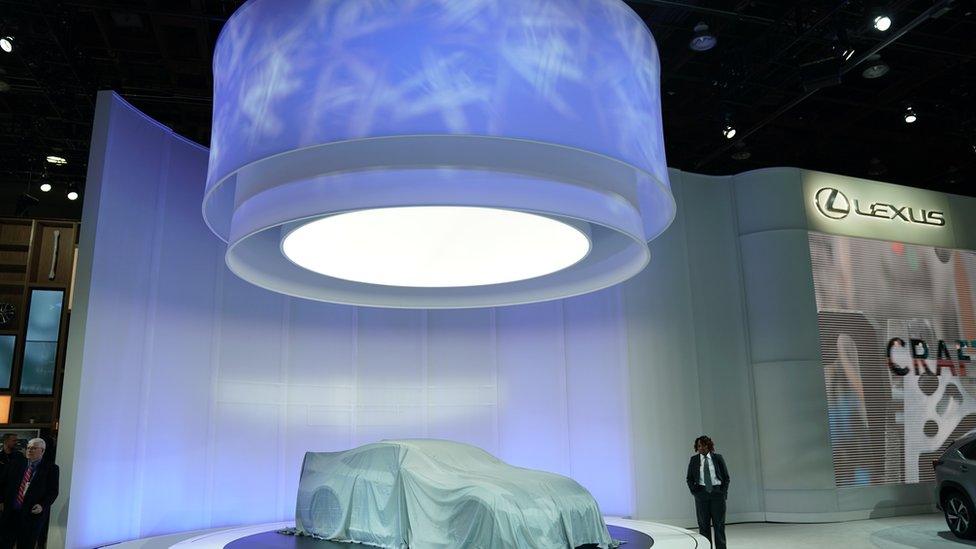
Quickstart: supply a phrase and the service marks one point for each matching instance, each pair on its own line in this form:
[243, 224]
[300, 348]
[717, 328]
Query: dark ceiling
[777, 74]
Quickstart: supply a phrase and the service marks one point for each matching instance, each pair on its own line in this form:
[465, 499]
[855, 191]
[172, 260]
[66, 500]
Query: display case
[36, 273]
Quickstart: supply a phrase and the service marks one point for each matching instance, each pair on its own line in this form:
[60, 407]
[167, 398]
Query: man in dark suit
[9, 452]
[708, 479]
[27, 491]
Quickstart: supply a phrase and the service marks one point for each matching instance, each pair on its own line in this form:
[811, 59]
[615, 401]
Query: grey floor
[917, 531]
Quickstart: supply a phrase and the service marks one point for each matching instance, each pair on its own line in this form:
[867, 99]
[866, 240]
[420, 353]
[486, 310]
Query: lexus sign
[834, 204]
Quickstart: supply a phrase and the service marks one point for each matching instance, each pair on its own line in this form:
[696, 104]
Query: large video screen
[897, 335]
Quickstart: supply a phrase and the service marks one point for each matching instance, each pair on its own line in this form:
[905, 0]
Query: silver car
[955, 485]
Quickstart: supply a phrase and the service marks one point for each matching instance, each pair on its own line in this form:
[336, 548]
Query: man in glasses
[27, 491]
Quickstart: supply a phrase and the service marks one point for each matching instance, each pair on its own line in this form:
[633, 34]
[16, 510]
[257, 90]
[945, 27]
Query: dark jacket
[721, 472]
[14, 457]
[43, 488]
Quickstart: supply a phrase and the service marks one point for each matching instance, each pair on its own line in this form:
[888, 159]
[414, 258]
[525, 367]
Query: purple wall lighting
[529, 133]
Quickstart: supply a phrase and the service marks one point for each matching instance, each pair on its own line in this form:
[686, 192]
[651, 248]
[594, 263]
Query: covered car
[440, 494]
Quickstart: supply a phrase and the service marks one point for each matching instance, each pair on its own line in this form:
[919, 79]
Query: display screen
[41, 348]
[897, 330]
[7, 343]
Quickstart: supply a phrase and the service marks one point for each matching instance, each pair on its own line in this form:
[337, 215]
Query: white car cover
[440, 494]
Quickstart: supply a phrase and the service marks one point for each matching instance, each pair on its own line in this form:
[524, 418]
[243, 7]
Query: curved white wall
[197, 394]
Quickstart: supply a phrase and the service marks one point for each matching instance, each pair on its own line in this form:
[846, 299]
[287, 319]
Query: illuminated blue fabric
[293, 73]
[328, 106]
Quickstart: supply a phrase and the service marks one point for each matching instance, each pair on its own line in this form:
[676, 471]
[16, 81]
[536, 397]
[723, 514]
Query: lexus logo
[833, 203]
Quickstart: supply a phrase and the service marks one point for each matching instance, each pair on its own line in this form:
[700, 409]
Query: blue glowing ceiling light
[491, 152]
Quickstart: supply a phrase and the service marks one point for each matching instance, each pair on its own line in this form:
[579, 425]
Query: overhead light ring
[287, 151]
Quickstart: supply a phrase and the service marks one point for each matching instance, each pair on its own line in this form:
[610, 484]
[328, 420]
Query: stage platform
[637, 535]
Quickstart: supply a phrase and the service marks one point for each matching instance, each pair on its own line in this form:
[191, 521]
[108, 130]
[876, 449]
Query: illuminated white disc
[435, 246]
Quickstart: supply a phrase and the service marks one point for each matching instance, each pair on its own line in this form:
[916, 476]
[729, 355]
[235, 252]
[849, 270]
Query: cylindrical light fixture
[910, 115]
[433, 154]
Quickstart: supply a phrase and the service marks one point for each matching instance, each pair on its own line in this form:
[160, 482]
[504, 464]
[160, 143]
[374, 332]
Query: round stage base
[273, 540]
[638, 534]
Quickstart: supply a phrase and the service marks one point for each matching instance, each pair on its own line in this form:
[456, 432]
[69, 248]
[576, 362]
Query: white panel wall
[193, 395]
[690, 371]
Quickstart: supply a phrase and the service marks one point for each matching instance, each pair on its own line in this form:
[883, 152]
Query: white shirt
[711, 469]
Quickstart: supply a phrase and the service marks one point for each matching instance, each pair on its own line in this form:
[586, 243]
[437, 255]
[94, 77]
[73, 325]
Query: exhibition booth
[764, 318]
[427, 222]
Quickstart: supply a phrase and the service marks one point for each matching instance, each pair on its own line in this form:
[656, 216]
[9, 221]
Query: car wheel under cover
[325, 512]
[472, 520]
[959, 515]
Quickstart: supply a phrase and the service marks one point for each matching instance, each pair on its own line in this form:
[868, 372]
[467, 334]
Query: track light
[876, 167]
[57, 160]
[72, 195]
[876, 68]
[7, 44]
[729, 131]
[45, 187]
[882, 22]
[703, 40]
[741, 152]
[910, 116]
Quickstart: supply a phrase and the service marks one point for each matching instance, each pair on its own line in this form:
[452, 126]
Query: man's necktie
[707, 476]
[28, 473]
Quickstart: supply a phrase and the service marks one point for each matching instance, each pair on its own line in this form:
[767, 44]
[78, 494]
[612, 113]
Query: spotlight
[882, 22]
[876, 68]
[729, 131]
[703, 40]
[72, 195]
[910, 116]
[741, 152]
[45, 187]
[57, 160]
[876, 167]
[7, 44]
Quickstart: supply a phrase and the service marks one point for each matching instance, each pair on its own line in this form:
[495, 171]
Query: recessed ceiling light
[703, 40]
[45, 187]
[7, 44]
[57, 160]
[72, 195]
[435, 246]
[882, 23]
[729, 131]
